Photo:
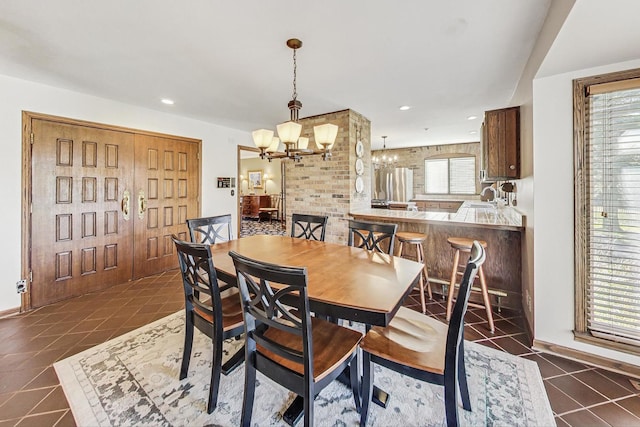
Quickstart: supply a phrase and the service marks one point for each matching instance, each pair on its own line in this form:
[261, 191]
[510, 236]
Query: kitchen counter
[505, 218]
[501, 228]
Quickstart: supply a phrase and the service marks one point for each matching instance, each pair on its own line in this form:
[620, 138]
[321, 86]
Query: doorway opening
[261, 196]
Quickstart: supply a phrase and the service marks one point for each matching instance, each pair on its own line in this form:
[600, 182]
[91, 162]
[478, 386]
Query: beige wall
[272, 169]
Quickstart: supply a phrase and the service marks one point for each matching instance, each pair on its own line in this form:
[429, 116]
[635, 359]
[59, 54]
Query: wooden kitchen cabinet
[438, 205]
[501, 144]
[251, 205]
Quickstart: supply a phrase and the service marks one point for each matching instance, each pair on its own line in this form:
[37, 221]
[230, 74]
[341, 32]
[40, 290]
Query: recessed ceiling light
[405, 108]
[472, 117]
[167, 101]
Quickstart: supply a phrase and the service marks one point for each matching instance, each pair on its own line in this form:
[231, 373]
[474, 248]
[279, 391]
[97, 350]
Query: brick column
[318, 187]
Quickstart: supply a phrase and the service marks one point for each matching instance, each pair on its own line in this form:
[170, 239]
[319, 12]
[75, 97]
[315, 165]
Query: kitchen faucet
[495, 193]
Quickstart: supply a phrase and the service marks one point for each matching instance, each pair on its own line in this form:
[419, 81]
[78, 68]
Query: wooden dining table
[343, 282]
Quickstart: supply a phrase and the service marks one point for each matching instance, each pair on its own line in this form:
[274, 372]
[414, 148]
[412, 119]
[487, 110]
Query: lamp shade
[275, 143]
[325, 135]
[289, 132]
[262, 138]
[303, 142]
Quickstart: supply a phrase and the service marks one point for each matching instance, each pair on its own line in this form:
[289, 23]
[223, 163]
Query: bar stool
[416, 239]
[462, 244]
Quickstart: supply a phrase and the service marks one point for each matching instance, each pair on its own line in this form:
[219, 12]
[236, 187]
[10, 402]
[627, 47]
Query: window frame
[581, 207]
[449, 157]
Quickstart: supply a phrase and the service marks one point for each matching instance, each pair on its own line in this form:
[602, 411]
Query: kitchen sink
[481, 205]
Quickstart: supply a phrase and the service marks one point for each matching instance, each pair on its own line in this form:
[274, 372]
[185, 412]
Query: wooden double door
[104, 203]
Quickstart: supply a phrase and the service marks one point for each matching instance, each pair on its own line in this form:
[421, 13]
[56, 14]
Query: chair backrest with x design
[210, 229]
[310, 227]
[374, 236]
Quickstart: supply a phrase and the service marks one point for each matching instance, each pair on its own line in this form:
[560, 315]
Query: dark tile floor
[30, 394]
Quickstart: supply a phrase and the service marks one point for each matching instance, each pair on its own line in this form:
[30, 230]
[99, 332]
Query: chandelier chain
[295, 69]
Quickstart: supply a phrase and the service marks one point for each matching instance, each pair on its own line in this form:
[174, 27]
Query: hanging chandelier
[384, 161]
[289, 143]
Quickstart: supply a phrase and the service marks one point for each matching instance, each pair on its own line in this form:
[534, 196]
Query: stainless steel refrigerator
[393, 184]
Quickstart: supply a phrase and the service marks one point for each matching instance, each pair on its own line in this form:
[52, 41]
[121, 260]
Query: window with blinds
[608, 218]
[454, 175]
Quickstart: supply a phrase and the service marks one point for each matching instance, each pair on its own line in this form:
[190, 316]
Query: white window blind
[462, 175]
[436, 176]
[454, 175]
[613, 245]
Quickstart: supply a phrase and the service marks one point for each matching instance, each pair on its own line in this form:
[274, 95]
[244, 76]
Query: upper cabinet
[501, 144]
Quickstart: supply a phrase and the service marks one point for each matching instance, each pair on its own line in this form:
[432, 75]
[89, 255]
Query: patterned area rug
[252, 227]
[133, 380]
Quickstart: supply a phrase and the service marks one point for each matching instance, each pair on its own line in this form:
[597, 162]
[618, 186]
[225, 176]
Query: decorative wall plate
[359, 184]
[359, 167]
[359, 149]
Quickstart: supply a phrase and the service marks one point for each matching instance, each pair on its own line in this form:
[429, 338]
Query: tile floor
[30, 394]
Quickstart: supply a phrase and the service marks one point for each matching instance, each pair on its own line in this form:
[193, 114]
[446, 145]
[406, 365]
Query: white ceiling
[595, 33]
[226, 62]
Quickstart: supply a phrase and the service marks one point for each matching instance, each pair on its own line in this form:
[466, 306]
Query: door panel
[80, 239]
[167, 193]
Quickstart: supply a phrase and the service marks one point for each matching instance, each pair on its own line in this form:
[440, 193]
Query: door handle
[142, 204]
[125, 204]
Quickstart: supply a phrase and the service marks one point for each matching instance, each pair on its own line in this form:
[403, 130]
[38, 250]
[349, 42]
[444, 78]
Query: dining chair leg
[308, 410]
[216, 369]
[367, 387]
[188, 342]
[355, 381]
[249, 393]
[462, 381]
[451, 398]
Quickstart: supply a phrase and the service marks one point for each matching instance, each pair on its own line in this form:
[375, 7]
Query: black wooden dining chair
[373, 236]
[210, 229]
[205, 308]
[302, 353]
[310, 227]
[424, 348]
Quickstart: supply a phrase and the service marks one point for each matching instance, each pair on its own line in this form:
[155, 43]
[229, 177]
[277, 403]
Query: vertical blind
[613, 264]
[455, 175]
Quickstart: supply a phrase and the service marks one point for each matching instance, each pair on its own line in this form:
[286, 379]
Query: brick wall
[318, 187]
[414, 158]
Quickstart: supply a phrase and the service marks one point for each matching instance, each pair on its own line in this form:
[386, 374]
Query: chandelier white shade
[325, 135]
[262, 138]
[289, 132]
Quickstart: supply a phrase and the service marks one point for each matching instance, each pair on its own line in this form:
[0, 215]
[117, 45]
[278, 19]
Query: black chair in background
[216, 316]
[379, 237]
[211, 229]
[299, 352]
[424, 348]
[310, 227]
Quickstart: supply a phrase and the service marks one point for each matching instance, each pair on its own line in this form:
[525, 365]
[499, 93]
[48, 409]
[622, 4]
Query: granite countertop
[505, 218]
